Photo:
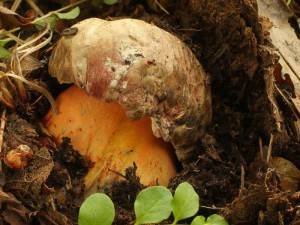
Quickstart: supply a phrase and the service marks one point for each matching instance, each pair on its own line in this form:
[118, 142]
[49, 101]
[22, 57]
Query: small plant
[97, 209]
[152, 205]
[54, 16]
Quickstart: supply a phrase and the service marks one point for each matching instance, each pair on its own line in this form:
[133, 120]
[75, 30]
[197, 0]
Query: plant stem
[15, 5]
[35, 7]
[174, 222]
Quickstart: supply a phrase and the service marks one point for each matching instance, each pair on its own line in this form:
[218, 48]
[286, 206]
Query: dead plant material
[30, 178]
[18, 158]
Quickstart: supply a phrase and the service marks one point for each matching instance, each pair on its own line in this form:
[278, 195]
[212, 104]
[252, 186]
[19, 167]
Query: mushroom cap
[147, 70]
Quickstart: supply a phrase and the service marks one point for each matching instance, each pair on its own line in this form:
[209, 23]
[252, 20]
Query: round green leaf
[153, 205]
[216, 220]
[198, 220]
[185, 202]
[72, 14]
[97, 209]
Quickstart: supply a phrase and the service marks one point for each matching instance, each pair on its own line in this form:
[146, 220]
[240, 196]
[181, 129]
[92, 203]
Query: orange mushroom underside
[101, 132]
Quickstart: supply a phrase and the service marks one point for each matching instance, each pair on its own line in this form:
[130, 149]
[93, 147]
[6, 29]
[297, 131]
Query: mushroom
[149, 72]
[102, 133]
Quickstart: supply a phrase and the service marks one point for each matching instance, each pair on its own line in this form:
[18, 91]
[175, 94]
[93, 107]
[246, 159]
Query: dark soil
[232, 43]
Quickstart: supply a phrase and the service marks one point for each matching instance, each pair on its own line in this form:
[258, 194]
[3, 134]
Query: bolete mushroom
[147, 71]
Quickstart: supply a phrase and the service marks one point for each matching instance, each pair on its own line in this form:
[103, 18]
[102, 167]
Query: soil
[231, 174]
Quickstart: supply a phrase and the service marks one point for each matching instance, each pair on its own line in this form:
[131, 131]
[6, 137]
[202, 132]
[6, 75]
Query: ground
[233, 174]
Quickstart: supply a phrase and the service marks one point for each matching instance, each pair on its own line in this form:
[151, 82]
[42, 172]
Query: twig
[242, 188]
[161, 7]
[118, 173]
[270, 148]
[15, 5]
[213, 207]
[35, 7]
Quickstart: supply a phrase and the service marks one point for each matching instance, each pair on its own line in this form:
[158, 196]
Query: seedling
[185, 203]
[211, 220]
[152, 205]
[97, 209]
[55, 16]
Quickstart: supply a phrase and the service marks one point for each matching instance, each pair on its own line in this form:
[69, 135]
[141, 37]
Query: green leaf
[153, 205]
[5, 41]
[185, 202]
[216, 220]
[69, 15]
[288, 2]
[110, 2]
[3, 52]
[97, 209]
[42, 23]
[198, 220]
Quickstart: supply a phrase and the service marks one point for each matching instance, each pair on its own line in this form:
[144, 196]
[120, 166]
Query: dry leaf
[287, 172]
[10, 19]
[12, 210]
[286, 41]
[30, 179]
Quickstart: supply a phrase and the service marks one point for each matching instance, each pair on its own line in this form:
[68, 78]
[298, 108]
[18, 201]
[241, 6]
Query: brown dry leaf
[26, 181]
[282, 34]
[287, 172]
[12, 210]
[29, 180]
[30, 64]
[10, 19]
[247, 204]
[52, 217]
[286, 41]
